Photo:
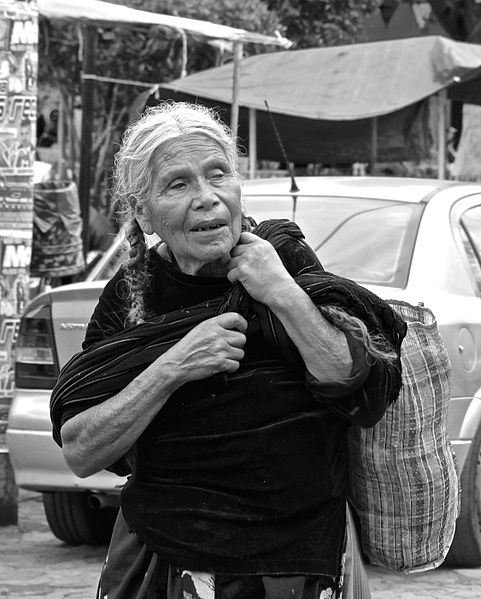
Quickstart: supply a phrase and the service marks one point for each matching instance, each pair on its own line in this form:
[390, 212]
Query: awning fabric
[341, 83]
[96, 11]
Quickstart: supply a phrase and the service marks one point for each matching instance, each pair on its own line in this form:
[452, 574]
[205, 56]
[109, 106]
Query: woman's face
[194, 204]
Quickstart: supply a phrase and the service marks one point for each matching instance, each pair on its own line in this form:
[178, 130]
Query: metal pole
[252, 142]
[234, 117]
[442, 122]
[61, 139]
[89, 34]
[374, 145]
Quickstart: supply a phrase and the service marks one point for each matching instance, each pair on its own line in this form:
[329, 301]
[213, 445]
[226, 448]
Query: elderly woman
[220, 371]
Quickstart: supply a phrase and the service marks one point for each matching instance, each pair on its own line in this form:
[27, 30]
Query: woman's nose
[204, 196]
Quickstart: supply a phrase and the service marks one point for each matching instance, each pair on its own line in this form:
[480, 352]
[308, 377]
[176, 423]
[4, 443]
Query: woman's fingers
[231, 321]
[256, 264]
[215, 345]
[231, 366]
[234, 353]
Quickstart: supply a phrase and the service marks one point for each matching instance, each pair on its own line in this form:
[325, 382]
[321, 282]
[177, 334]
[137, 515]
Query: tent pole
[252, 142]
[61, 139]
[374, 145]
[89, 33]
[442, 121]
[234, 117]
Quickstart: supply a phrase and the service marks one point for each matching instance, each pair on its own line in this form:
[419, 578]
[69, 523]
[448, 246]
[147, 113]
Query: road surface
[36, 565]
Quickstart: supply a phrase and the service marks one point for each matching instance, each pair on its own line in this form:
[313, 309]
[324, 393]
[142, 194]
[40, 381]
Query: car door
[464, 339]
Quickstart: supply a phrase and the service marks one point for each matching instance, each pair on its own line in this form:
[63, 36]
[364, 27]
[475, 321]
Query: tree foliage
[313, 23]
[460, 18]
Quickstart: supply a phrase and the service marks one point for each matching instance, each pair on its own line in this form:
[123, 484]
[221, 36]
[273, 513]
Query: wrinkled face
[194, 204]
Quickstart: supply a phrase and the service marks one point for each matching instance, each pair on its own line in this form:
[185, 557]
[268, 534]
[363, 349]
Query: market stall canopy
[324, 99]
[96, 11]
[341, 83]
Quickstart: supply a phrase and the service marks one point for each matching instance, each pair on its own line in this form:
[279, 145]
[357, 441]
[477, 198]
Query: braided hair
[134, 172]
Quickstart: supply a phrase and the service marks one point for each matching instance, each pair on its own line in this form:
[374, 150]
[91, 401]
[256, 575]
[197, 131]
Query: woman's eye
[177, 184]
[217, 175]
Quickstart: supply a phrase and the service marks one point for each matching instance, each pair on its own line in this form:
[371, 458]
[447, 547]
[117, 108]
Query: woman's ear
[143, 218]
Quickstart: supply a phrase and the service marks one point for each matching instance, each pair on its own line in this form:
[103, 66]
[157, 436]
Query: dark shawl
[107, 367]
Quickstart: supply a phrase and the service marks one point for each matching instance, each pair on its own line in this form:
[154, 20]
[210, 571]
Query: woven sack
[402, 472]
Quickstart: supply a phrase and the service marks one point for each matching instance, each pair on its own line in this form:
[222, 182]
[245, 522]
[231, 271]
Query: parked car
[417, 240]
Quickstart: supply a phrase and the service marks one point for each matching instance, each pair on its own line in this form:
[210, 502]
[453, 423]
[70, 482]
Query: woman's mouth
[207, 227]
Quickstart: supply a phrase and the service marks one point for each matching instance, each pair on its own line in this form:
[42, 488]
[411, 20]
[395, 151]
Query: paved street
[35, 565]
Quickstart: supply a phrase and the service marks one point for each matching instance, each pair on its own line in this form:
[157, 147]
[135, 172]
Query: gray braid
[135, 272]
[376, 346]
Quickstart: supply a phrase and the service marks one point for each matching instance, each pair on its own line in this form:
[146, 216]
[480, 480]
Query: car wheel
[74, 521]
[465, 550]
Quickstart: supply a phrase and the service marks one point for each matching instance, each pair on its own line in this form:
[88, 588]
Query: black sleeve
[110, 312]
[107, 319]
[362, 398]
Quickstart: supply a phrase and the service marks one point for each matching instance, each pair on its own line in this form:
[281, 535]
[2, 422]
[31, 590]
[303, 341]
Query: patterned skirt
[132, 571]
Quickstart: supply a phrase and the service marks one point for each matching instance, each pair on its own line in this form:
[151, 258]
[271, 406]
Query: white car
[417, 240]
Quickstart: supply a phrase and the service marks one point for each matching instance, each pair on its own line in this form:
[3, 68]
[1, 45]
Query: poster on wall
[18, 114]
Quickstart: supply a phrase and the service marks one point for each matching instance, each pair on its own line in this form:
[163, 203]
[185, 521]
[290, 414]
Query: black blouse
[241, 473]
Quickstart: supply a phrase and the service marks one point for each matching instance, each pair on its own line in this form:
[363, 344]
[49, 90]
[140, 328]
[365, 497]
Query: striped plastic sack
[403, 478]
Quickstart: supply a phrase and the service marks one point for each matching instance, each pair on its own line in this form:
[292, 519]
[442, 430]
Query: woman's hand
[215, 345]
[256, 264]
[324, 349]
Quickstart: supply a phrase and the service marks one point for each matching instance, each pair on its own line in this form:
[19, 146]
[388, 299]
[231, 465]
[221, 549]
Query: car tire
[465, 549]
[74, 521]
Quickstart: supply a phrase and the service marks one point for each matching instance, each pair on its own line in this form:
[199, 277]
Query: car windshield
[368, 240]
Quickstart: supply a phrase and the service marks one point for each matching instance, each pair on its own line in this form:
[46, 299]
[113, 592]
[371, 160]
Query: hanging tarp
[341, 83]
[98, 12]
[57, 230]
